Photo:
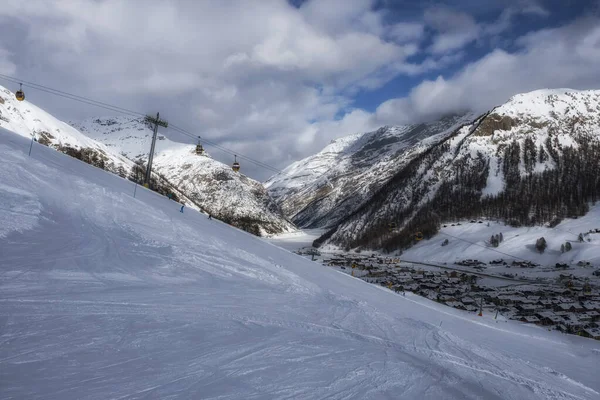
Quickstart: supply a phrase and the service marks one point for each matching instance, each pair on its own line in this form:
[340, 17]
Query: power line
[71, 96]
[226, 150]
[133, 113]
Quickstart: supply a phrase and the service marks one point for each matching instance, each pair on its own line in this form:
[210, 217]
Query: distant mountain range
[322, 189]
[534, 160]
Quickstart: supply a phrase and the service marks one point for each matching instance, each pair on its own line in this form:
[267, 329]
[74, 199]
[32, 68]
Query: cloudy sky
[279, 79]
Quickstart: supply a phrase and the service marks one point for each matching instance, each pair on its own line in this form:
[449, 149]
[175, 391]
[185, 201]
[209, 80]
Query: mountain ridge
[231, 197]
[539, 146]
[212, 185]
[321, 189]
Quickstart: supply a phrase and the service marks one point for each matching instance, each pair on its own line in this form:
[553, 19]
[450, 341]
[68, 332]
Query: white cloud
[533, 7]
[7, 67]
[260, 71]
[563, 57]
[407, 32]
[455, 29]
[268, 78]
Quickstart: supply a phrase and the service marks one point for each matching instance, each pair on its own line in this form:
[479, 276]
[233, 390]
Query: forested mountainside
[534, 160]
[322, 189]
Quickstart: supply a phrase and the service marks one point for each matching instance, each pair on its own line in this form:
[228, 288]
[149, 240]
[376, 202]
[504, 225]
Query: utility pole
[156, 121]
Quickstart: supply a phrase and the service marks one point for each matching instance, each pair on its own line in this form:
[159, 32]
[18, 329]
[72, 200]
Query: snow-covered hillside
[471, 240]
[103, 295]
[26, 119]
[320, 190]
[230, 196]
[534, 160]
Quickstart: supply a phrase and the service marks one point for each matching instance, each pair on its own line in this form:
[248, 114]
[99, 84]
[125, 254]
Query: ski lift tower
[157, 122]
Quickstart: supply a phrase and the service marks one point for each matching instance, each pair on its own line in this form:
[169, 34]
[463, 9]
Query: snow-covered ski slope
[106, 296]
[472, 240]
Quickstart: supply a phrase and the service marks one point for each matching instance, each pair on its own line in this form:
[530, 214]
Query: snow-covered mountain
[212, 185]
[533, 160]
[108, 296]
[26, 119]
[320, 190]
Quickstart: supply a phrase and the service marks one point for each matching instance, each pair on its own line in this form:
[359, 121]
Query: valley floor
[103, 295]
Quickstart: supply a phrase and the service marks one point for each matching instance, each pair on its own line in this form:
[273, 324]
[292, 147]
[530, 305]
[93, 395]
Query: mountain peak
[321, 189]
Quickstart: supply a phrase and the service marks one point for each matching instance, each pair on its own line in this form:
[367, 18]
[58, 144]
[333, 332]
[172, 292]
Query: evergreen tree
[541, 244]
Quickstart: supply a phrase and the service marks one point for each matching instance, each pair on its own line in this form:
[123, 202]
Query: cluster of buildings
[568, 309]
[570, 304]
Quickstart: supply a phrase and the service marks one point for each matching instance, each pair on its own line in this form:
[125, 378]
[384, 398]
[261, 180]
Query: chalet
[593, 315]
[456, 304]
[526, 309]
[593, 333]
[448, 291]
[586, 316]
[528, 301]
[549, 318]
[545, 303]
[530, 319]
[572, 307]
[429, 285]
[446, 298]
[511, 299]
[468, 300]
[591, 306]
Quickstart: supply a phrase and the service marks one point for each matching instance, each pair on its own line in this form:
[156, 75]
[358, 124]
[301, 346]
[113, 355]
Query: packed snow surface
[107, 296]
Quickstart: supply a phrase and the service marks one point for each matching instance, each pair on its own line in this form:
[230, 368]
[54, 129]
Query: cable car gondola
[392, 226]
[20, 94]
[236, 165]
[199, 148]
[418, 236]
